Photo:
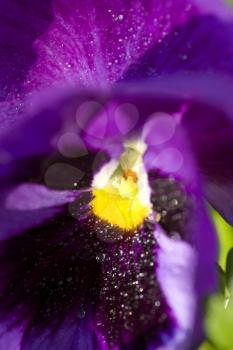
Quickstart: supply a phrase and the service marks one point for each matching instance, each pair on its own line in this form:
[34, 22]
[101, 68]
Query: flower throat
[121, 194]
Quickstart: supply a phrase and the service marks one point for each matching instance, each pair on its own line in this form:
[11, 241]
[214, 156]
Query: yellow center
[119, 202]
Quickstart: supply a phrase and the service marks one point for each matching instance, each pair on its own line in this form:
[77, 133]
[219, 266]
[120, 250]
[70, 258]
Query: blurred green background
[219, 312]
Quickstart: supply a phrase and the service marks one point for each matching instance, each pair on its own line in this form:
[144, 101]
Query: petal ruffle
[176, 273]
[29, 205]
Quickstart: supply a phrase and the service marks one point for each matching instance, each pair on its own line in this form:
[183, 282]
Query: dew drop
[100, 257]
[81, 312]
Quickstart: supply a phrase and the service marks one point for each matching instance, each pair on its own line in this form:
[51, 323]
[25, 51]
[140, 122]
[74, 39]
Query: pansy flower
[116, 126]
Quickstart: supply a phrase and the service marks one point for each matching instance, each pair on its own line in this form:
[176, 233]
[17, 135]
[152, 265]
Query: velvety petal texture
[21, 24]
[181, 50]
[50, 294]
[116, 34]
[98, 50]
[131, 301]
[61, 49]
[72, 333]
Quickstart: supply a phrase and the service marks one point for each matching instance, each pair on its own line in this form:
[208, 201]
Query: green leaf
[206, 346]
[219, 323]
[225, 235]
[229, 268]
[221, 280]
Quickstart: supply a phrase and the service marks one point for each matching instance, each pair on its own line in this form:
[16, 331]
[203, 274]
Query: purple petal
[11, 338]
[73, 333]
[176, 274]
[61, 50]
[182, 50]
[32, 135]
[172, 156]
[186, 268]
[53, 54]
[29, 205]
[48, 287]
[54, 123]
[21, 24]
[217, 7]
[56, 268]
[84, 52]
[131, 304]
[186, 275]
[210, 130]
[213, 143]
[219, 194]
[184, 215]
[33, 197]
[205, 131]
[204, 239]
[136, 105]
[172, 203]
[49, 135]
[74, 50]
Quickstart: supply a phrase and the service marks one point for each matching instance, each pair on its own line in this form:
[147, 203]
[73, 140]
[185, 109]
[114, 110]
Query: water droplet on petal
[100, 257]
[81, 313]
